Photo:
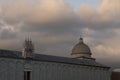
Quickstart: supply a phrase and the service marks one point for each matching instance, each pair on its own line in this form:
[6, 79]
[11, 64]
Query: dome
[81, 49]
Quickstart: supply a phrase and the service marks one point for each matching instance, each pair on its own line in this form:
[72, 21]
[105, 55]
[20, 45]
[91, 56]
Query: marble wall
[13, 69]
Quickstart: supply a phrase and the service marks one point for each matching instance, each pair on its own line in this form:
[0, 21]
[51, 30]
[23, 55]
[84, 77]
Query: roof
[49, 58]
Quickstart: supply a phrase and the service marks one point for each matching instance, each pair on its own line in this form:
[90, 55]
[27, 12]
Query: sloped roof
[49, 58]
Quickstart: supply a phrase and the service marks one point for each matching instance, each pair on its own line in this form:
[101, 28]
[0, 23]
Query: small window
[27, 75]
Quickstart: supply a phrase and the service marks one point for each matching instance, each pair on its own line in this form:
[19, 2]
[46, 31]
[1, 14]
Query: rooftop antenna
[81, 39]
[80, 36]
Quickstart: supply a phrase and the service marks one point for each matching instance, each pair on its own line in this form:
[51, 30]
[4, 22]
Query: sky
[55, 27]
[76, 3]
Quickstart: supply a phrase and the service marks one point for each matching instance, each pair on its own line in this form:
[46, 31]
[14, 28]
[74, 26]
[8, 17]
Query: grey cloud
[7, 31]
[58, 18]
[56, 27]
[7, 34]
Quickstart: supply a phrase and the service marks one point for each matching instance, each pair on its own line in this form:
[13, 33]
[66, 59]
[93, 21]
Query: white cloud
[41, 12]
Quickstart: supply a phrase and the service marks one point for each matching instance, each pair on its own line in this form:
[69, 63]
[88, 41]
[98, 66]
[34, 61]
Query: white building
[27, 65]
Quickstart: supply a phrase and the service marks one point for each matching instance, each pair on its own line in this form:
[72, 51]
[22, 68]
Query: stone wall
[13, 69]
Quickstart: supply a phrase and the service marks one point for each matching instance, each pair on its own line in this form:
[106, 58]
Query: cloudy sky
[56, 25]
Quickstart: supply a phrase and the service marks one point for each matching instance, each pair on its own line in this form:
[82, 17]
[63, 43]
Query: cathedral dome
[81, 50]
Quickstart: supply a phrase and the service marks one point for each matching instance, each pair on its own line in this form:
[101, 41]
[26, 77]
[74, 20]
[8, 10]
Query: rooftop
[49, 58]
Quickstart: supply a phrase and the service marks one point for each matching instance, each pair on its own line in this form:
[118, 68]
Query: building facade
[115, 75]
[27, 65]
